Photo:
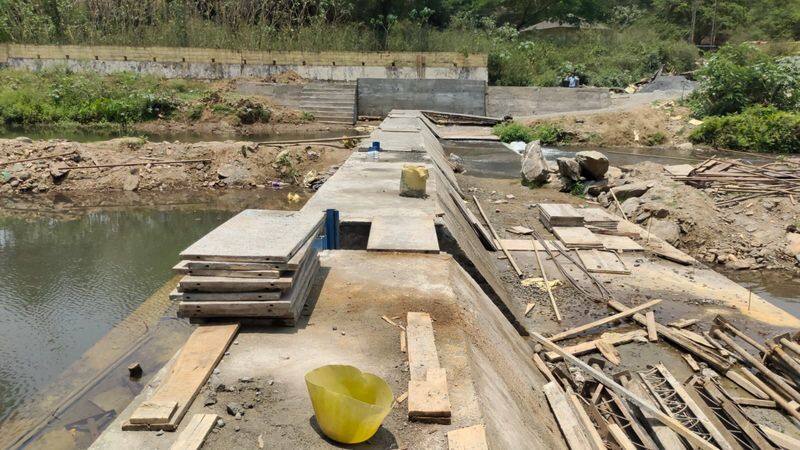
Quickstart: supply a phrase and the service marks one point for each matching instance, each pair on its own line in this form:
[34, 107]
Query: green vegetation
[547, 134]
[637, 36]
[758, 128]
[656, 138]
[61, 98]
[749, 100]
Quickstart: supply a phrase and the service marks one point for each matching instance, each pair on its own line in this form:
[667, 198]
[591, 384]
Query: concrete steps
[330, 102]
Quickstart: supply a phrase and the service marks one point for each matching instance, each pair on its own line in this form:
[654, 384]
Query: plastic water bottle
[375, 150]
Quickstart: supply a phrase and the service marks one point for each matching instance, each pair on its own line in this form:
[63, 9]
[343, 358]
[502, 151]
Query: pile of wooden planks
[598, 218]
[259, 264]
[577, 237]
[428, 396]
[559, 215]
[745, 181]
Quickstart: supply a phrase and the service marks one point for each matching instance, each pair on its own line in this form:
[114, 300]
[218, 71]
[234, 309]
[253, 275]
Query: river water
[67, 279]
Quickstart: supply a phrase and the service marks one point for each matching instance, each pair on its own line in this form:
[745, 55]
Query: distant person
[573, 81]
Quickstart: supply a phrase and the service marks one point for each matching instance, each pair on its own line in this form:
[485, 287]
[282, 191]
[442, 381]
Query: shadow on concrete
[383, 438]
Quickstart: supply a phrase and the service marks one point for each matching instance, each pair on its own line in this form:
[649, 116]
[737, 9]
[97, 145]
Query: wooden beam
[652, 334]
[547, 287]
[193, 436]
[588, 427]
[192, 367]
[719, 320]
[743, 383]
[780, 439]
[735, 413]
[608, 351]
[683, 323]
[673, 424]
[620, 315]
[755, 402]
[620, 437]
[778, 398]
[428, 396]
[511, 259]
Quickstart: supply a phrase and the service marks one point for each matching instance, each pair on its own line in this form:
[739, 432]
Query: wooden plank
[755, 402]
[620, 315]
[633, 423]
[469, 438]
[429, 398]
[421, 345]
[736, 414]
[789, 407]
[577, 237]
[619, 243]
[591, 346]
[403, 234]
[743, 383]
[780, 439]
[694, 407]
[597, 261]
[588, 427]
[673, 424]
[193, 436]
[652, 334]
[666, 437]
[192, 367]
[620, 437]
[540, 364]
[570, 426]
[683, 323]
[511, 259]
[183, 268]
[547, 287]
[191, 283]
[691, 362]
[225, 296]
[154, 412]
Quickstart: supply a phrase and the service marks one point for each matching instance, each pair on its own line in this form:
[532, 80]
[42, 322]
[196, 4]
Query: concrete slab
[401, 234]
[399, 140]
[258, 235]
[490, 374]
[363, 189]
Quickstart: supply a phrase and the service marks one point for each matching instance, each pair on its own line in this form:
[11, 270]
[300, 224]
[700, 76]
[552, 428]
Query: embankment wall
[520, 101]
[376, 97]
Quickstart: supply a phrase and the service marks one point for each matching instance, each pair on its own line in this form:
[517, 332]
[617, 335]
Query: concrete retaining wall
[218, 64]
[282, 94]
[376, 97]
[526, 101]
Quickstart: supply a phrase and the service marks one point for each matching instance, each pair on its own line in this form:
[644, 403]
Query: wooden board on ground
[190, 283]
[591, 346]
[403, 234]
[154, 412]
[525, 245]
[577, 237]
[565, 416]
[597, 261]
[193, 436]
[619, 243]
[428, 397]
[469, 438]
[192, 367]
[280, 234]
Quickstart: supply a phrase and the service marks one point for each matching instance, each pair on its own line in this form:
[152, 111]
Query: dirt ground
[138, 165]
[661, 123]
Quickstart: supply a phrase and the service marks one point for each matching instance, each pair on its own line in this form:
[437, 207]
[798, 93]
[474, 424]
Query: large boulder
[569, 168]
[534, 167]
[630, 190]
[594, 165]
[666, 230]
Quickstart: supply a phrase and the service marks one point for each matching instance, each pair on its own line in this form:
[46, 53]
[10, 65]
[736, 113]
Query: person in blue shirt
[573, 80]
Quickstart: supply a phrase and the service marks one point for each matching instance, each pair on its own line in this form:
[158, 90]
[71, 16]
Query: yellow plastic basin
[350, 404]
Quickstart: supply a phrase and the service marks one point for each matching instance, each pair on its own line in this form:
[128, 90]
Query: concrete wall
[376, 97]
[526, 101]
[282, 94]
[218, 64]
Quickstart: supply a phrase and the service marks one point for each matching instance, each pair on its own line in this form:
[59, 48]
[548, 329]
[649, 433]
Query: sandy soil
[216, 165]
[637, 125]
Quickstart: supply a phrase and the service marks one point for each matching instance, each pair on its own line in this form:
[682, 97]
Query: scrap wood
[428, 397]
[735, 413]
[591, 346]
[756, 402]
[691, 362]
[780, 439]
[547, 286]
[683, 323]
[497, 238]
[603, 321]
[528, 308]
[589, 429]
[391, 322]
[789, 407]
[519, 230]
[402, 397]
[652, 333]
[540, 364]
[190, 370]
[743, 383]
[566, 416]
[719, 320]
[673, 424]
[608, 351]
[716, 362]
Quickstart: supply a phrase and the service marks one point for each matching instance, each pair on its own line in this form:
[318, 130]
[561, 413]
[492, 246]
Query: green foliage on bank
[738, 76]
[757, 128]
[56, 96]
[546, 134]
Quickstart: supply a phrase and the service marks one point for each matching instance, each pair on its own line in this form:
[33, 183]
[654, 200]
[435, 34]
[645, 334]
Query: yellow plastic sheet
[349, 404]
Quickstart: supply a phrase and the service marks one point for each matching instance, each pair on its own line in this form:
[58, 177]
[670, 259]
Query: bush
[738, 76]
[758, 128]
[656, 138]
[513, 131]
[544, 133]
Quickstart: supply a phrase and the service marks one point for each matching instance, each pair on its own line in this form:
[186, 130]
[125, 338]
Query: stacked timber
[559, 215]
[259, 264]
[598, 219]
[577, 237]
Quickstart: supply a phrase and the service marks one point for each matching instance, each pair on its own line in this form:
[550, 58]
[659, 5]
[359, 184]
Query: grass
[546, 134]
